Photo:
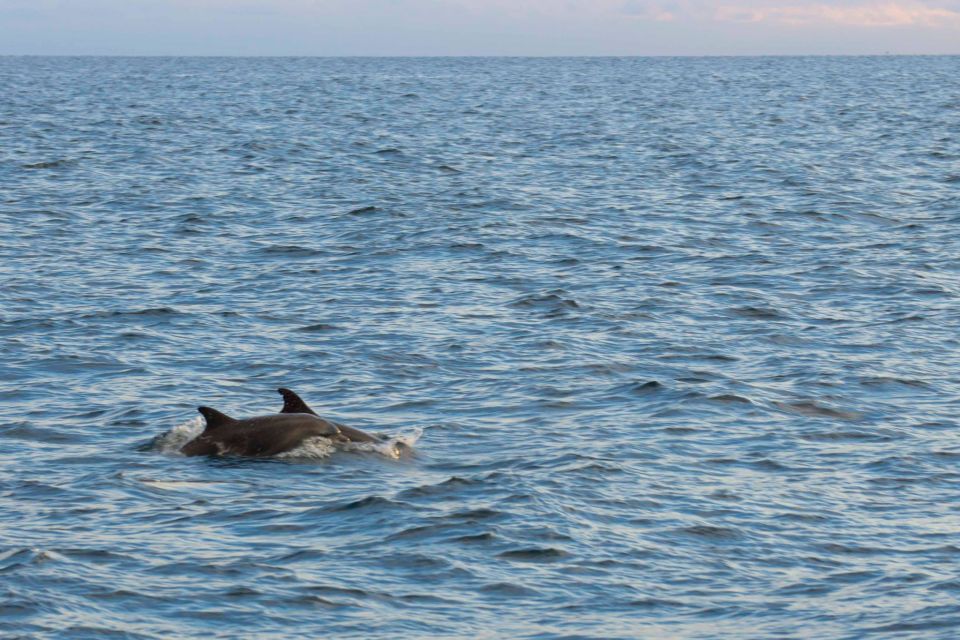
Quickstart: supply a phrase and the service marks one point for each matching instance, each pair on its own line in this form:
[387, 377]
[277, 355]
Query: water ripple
[657, 347]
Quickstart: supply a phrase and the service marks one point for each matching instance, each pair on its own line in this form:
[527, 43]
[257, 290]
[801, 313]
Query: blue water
[675, 342]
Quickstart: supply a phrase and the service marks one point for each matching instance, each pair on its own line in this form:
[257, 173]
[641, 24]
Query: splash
[170, 442]
[399, 446]
[311, 448]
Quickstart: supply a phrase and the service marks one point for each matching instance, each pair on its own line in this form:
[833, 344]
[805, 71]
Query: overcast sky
[478, 27]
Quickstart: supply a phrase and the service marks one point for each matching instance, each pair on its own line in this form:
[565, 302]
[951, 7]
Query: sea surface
[675, 343]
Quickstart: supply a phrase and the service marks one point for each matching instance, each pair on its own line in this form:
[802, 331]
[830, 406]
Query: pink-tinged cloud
[859, 13]
[649, 10]
[882, 14]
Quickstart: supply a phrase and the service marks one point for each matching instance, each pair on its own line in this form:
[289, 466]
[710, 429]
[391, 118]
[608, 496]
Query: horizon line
[474, 55]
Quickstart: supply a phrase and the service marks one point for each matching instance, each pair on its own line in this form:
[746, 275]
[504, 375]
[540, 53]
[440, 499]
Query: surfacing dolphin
[267, 435]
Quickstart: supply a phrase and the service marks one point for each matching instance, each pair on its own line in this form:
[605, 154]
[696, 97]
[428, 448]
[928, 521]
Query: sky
[478, 27]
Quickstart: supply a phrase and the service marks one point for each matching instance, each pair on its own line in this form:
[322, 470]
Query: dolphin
[270, 434]
[292, 403]
[258, 436]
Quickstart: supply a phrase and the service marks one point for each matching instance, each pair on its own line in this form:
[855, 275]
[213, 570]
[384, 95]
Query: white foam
[314, 448]
[395, 447]
[171, 442]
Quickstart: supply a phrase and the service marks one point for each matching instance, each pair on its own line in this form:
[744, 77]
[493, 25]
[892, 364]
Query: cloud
[649, 10]
[856, 13]
[884, 14]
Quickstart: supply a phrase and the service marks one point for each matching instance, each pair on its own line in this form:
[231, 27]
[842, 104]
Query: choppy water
[675, 340]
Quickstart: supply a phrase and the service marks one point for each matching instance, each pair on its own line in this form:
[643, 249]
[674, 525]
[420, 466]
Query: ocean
[674, 342]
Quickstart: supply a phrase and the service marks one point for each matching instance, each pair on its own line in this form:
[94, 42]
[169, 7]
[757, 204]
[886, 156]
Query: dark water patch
[643, 388]
[534, 555]
[508, 590]
[95, 556]
[710, 532]
[428, 599]
[853, 549]
[454, 484]
[477, 538]
[345, 595]
[291, 251]
[319, 327]
[14, 326]
[480, 514]
[467, 246]
[853, 577]
[927, 619]
[730, 398]
[370, 502]
[12, 609]
[682, 430]
[317, 601]
[419, 562]
[767, 464]
[803, 517]
[805, 590]
[49, 164]
[847, 436]
[301, 556]
[652, 603]
[422, 532]
[82, 632]
[758, 313]
[546, 301]
[148, 313]
[814, 409]
[887, 381]
[362, 211]
[761, 464]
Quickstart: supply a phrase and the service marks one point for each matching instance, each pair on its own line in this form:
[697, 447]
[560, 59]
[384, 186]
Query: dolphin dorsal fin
[215, 419]
[292, 403]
